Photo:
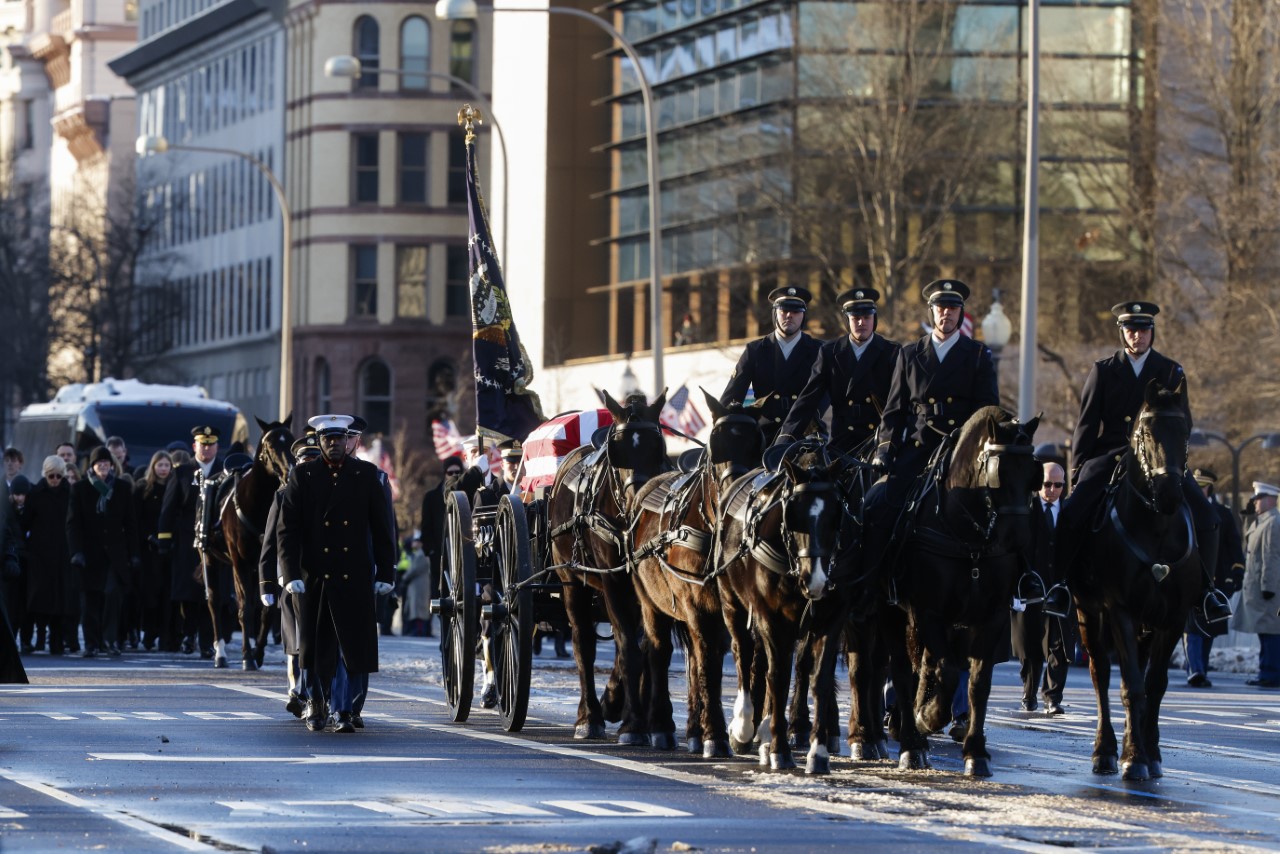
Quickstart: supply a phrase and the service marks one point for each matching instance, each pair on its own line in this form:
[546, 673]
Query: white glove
[482, 463]
[382, 588]
[296, 586]
[268, 599]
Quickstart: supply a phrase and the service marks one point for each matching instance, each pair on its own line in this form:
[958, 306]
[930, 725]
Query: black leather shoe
[959, 729]
[342, 722]
[188, 646]
[1052, 709]
[315, 716]
[113, 651]
[490, 697]
[1216, 607]
[1029, 704]
[357, 721]
[1199, 680]
[206, 652]
[89, 652]
[1057, 602]
[295, 706]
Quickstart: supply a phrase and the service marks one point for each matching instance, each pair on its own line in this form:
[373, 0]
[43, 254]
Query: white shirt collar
[859, 349]
[942, 348]
[786, 345]
[1137, 363]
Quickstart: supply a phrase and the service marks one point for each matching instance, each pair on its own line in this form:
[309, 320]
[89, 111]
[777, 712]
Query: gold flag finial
[469, 117]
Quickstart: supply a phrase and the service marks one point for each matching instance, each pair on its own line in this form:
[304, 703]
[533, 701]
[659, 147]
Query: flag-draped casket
[550, 442]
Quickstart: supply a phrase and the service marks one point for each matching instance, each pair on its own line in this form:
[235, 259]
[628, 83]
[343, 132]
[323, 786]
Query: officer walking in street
[1198, 639]
[777, 364]
[853, 372]
[1109, 404]
[176, 534]
[336, 552]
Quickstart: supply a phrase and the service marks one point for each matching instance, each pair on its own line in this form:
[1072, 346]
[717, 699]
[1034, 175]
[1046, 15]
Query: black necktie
[1048, 516]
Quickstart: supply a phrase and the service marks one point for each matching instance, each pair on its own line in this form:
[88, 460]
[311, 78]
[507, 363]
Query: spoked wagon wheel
[457, 607]
[512, 614]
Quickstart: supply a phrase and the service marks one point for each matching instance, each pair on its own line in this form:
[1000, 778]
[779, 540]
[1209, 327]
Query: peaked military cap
[511, 449]
[792, 298]
[326, 424]
[1205, 477]
[946, 292]
[1260, 489]
[1136, 315]
[358, 426]
[858, 300]
[304, 444]
[205, 435]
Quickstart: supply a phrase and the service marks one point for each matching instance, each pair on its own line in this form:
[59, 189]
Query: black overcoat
[49, 587]
[334, 534]
[153, 586]
[762, 368]
[928, 400]
[177, 525]
[857, 389]
[1111, 398]
[108, 540]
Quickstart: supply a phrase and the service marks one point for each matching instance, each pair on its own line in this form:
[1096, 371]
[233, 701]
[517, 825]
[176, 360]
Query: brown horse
[777, 538]
[674, 578]
[244, 518]
[1138, 577]
[590, 509]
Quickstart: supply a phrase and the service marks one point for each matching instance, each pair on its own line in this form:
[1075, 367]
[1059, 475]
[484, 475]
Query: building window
[413, 169]
[375, 396]
[364, 281]
[411, 281]
[415, 53]
[28, 140]
[366, 50]
[462, 50]
[457, 286]
[364, 155]
[457, 168]
[324, 391]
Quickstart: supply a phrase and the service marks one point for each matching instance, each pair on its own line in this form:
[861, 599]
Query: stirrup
[1215, 606]
[1033, 592]
[1053, 604]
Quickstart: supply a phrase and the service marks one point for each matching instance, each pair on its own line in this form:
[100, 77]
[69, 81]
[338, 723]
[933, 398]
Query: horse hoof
[764, 756]
[800, 738]
[1104, 765]
[633, 739]
[248, 664]
[914, 760]
[817, 764]
[663, 741]
[694, 745]
[862, 752]
[740, 748]
[1156, 769]
[588, 731]
[976, 766]
[780, 761]
[220, 661]
[716, 749]
[1136, 771]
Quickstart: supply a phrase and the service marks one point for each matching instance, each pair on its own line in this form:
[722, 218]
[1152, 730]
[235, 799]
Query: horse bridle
[989, 461]
[1150, 473]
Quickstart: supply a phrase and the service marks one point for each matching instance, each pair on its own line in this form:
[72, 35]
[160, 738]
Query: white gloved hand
[296, 586]
[482, 463]
[382, 588]
[268, 599]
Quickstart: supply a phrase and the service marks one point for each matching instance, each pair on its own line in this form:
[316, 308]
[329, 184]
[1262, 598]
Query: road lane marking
[160, 833]
[313, 759]
[619, 809]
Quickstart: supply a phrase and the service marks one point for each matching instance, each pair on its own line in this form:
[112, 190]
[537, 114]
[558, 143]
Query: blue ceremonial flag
[505, 406]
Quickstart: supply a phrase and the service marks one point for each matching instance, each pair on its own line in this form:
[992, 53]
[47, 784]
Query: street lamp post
[1201, 439]
[996, 330]
[1030, 222]
[347, 66]
[449, 10]
[159, 145]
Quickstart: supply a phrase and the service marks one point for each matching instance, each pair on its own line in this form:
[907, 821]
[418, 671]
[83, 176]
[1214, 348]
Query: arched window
[415, 53]
[324, 393]
[366, 50]
[375, 396]
[462, 50]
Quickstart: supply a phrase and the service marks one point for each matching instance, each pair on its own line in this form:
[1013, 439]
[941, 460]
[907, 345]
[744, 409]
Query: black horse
[673, 572]
[244, 517]
[1137, 578]
[776, 539]
[590, 510]
[969, 531]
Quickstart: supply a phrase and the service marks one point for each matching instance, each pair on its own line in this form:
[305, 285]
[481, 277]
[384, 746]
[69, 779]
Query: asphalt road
[161, 753]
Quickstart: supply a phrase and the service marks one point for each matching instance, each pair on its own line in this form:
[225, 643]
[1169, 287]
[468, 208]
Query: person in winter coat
[1260, 591]
[102, 533]
[416, 583]
[52, 598]
[153, 587]
[15, 582]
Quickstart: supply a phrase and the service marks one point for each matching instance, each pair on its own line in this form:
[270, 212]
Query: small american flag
[681, 414]
[448, 443]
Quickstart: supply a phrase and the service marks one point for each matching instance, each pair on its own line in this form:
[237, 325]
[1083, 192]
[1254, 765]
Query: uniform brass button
[851, 403]
[951, 422]
[868, 400]
[794, 396]
[1118, 457]
[326, 551]
[871, 426]
[931, 400]
[326, 575]
[777, 419]
[326, 523]
[930, 422]
[850, 427]
[1127, 419]
[345, 549]
[345, 522]
[917, 443]
[345, 577]
[948, 400]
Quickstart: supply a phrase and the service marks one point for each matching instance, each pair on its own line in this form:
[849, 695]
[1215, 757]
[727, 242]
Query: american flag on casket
[552, 441]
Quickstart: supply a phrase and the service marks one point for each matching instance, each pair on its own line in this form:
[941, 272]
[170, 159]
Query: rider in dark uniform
[938, 383]
[779, 363]
[1109, 403]
[854, 371]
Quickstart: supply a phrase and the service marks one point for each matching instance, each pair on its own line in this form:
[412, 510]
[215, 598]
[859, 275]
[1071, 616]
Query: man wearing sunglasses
[1038, 637]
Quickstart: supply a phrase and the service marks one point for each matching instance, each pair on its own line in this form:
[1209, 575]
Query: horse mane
[969, 444]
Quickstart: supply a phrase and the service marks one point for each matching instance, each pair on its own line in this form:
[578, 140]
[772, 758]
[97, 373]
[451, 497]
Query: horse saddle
[667, 493]
[742, 492]
[237, 463]
[584, 473]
